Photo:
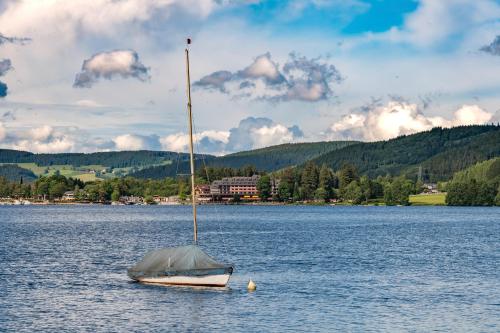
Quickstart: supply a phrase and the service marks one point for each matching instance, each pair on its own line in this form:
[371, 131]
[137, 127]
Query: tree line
[54, 186]
[478, 185]
[324, 184]
[114, 159]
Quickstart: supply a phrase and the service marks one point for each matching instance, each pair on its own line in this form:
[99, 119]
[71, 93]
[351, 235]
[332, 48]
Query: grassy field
[37, 170]
[428, 199]
[66, 170]
[83, 172]
[87, 177]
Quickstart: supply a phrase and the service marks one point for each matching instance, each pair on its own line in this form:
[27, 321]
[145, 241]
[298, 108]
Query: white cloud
[42, 133]
[57, 145]
[300, 78]
[263, 67]
[5, 66]
[205, 142]
[3, 132]
[272, 135]
[400, 118]
[88, 103]
[108, 65]
[251, 133]
[99, 17]
[435, 21]
[135, 142]
[471, 115]
[43, 139]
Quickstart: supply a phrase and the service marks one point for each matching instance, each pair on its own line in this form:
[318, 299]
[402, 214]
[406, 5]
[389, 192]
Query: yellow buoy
[251, 286]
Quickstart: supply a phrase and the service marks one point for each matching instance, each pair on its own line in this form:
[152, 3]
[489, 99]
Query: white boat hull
[219, 280]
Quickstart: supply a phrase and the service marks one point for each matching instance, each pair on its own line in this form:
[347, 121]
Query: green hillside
[14, 173]
[280, 156]
[264, 159]
[440, 152]
[478, 185]
[115, 159]
[488, 171]
[89, 167]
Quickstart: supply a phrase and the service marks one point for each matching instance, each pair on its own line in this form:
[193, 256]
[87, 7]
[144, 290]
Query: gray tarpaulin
[190, 260]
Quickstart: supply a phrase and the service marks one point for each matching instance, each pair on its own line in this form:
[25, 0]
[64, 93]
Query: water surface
[370, 269]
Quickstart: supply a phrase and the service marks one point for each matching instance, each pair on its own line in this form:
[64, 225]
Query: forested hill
[440, 152]
[264, 159]
[14, 173]
[280, 156]
[486, 171]
[118, 159]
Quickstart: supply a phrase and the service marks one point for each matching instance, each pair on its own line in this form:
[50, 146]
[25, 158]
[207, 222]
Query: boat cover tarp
[188, 259]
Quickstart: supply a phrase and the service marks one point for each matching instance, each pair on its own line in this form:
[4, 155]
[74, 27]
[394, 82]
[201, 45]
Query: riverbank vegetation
[478, 185]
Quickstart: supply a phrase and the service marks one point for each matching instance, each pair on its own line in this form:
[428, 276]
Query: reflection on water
[316, 269]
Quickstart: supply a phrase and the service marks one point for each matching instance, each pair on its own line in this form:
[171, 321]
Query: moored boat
[184, 265]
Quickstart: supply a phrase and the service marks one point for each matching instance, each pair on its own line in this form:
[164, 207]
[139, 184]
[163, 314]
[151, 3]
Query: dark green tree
[321, 194]
[389, 198]
[353, 193]
[264, 187]
[115, 196]
[327, 181]
[57, 189]
[285, 190]
[309, 180]
[366, 186]
[346, 175]
[401, 189]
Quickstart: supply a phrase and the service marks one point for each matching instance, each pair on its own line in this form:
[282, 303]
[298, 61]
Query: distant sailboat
[183, 265]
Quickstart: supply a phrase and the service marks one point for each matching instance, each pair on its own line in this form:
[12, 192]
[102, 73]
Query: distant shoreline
[213, 204]
[415, 200]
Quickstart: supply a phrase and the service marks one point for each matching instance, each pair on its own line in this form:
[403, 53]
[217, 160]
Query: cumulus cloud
[5, 66]
[299, 79]
[13, 40]
[109, 65]
[136, 142]
[493, 48]
[309, 79]
[3, 132]
[97, 17]
[205, 142]
[262, 68]
[251, 133]
[435, 21]
[382, 122]
[49, 139]
[216, 80]
[44, 139]
[254, 133]
[9, 115]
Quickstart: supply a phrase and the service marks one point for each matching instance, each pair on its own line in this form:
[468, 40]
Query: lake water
[358, 269]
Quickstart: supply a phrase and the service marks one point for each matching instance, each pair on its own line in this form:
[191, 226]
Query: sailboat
[184, 265]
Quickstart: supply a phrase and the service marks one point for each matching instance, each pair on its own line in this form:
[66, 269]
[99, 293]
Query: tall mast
[191, 154]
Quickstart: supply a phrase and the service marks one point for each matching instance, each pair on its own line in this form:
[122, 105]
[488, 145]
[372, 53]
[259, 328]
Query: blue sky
[109, 75]
[342, 16]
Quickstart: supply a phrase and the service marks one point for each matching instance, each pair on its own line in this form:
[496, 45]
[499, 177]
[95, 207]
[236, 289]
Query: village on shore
[228, 190]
